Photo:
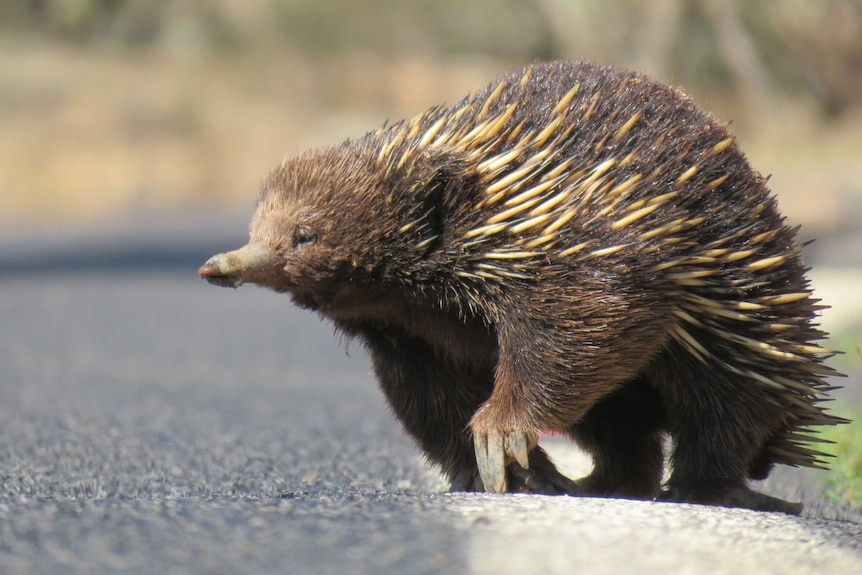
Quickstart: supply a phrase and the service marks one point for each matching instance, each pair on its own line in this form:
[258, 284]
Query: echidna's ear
[446, 177]
[437, 197]
[432, 208]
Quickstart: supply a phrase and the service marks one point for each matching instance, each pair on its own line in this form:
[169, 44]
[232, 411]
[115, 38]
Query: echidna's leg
[552, 370]
[624, 433]
[720, 423]
[434, 400]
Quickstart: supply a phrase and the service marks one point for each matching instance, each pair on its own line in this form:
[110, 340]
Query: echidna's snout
[217, 272]
[251, 263]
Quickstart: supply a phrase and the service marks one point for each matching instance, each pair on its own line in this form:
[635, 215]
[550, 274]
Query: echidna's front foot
[465, 480]
[541, 477]
[544, 481]
[495, 450]
[734, 497]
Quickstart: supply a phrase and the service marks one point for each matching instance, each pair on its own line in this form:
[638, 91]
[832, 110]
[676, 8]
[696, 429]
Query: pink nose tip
[208, 270]
[219, 271]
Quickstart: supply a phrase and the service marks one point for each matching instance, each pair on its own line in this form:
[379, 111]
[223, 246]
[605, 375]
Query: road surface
[151, 423]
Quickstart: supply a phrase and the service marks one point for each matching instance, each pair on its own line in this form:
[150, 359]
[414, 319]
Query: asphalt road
[151, 423]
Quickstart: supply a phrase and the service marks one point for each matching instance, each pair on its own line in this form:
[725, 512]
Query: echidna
[574, 249]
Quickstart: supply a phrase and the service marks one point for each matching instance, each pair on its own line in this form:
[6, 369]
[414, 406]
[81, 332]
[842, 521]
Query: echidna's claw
[519, 448]
[494, 451]
[490, 458]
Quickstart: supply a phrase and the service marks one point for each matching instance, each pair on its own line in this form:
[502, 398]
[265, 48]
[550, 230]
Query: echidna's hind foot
[733, 497]
[720, 424]
[623, 433]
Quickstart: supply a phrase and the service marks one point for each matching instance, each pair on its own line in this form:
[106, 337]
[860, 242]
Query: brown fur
[616, 326]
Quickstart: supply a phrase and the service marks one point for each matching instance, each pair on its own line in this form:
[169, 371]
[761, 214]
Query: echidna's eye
[303, 236]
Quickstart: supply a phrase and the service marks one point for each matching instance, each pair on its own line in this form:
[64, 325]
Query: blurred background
[123, 110]
[114, 106]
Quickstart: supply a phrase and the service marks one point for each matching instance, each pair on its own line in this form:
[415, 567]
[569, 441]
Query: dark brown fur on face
[573, 249]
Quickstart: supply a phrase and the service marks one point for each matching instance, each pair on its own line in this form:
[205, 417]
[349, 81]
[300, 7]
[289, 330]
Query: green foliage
[850, 344]
[743, 49]
[506, 29]
[845, 482]
[119, 22]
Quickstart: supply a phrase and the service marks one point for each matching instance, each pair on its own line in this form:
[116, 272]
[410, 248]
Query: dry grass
[94, 133]
[86, 135]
